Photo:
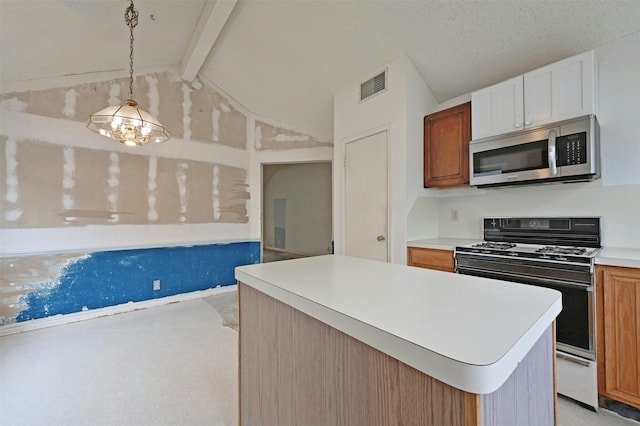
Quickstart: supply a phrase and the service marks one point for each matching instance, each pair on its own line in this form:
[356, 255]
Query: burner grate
[494, 245]
[577, 251]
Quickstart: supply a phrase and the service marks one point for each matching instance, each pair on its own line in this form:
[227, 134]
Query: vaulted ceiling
[284, 60]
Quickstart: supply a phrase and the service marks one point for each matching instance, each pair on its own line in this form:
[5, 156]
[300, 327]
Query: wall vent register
[374, 85]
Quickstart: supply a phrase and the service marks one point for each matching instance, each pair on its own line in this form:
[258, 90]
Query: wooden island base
[296, 370]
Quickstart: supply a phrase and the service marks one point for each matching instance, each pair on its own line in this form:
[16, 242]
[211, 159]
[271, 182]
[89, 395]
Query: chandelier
[127, 123]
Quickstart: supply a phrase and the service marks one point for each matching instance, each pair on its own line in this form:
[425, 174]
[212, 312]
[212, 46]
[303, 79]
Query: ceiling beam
[214, 15]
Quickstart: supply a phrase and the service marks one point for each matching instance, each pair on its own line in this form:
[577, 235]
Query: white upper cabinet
[552, 93]
[497, 109]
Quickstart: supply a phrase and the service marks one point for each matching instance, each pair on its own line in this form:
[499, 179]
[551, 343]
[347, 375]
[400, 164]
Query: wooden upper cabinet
[618, 319]
[446, 147]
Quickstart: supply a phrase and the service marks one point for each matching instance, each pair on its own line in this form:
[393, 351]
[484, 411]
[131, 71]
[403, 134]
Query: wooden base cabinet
[442, 260]
[618, 327]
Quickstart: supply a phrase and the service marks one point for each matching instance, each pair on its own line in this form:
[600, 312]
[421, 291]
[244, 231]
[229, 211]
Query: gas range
[561, 240]
[556, 253]
[571, 254]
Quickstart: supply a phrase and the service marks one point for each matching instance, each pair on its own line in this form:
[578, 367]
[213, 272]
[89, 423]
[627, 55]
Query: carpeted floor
[171, 365]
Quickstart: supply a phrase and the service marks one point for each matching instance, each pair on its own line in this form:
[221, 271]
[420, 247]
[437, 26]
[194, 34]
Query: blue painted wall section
[111, 278]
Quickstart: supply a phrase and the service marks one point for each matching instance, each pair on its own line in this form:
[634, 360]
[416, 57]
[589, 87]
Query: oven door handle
[505, 276]
[572, 359]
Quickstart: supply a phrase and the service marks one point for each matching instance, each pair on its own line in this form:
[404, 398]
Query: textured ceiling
[285, 59]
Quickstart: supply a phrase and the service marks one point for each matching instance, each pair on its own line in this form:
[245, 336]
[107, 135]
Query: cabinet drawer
[431, 258]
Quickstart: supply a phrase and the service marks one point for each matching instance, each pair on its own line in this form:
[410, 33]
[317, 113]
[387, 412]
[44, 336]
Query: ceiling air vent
[374, 85]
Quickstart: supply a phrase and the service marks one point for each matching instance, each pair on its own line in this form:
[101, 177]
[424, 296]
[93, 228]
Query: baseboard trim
[21, 327]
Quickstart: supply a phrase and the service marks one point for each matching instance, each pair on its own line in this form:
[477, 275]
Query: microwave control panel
[571, 149]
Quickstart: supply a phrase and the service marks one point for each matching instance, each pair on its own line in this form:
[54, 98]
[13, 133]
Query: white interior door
[366, 198]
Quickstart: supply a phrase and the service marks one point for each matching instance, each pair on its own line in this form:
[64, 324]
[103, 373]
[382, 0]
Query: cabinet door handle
[381, 238]
[517, 125]
[529, 121]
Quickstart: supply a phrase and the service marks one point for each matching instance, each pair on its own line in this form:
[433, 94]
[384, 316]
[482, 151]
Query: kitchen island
[338, 340]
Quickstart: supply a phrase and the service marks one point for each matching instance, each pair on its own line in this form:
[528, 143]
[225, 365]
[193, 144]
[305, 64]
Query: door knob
[381, 238]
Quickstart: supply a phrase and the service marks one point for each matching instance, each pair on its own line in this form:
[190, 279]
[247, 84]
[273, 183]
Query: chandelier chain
[131, 18]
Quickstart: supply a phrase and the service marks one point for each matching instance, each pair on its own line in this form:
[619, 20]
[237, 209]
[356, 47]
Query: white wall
[619, 207]
[422, 219]
[399, 110]
[615, 197]
[618, 100]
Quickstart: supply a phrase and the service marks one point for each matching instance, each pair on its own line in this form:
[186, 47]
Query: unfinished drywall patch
[233, 193]
[35, 287]
[187, 110]
[170, 103]
[38, 180]
[80, 186]
[215, 119]
[198, 195]
[272, 137]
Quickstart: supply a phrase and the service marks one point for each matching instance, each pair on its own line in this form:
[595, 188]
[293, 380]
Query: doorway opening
[296, 210]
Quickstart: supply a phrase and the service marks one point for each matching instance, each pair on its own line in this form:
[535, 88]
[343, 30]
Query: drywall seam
[152, 212]
[186, 111]
[216, 193]
[215, 117]
[114, 94]
[181, 177]
[12, 195]
[153, 94]
[68, 178]
[113, 182]
[70, 97]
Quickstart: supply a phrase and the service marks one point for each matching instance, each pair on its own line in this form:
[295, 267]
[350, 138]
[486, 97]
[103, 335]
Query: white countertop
[626, 257]
[612, 256]
[441, 243]
[468, 332]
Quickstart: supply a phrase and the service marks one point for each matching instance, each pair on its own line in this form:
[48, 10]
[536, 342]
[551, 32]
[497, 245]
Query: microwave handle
[552, 152]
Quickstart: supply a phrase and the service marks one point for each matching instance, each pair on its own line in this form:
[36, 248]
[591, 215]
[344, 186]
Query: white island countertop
[468, 332]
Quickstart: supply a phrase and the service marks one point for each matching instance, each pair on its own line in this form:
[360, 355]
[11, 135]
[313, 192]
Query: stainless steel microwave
[567, 151]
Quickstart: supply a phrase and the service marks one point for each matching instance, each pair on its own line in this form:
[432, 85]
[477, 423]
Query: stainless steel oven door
[575, 324]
